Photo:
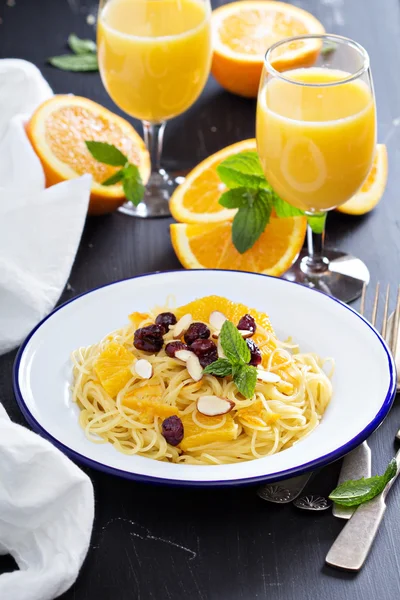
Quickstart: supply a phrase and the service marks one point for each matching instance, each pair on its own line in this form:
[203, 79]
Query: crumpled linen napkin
[46, 502]
[40, 229]
[46, 515]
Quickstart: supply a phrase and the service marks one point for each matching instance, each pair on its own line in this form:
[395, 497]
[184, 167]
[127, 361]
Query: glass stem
[153, 137]
[315, 263]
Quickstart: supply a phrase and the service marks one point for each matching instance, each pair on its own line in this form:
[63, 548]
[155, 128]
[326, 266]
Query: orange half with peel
[58, 130]
[242, 33]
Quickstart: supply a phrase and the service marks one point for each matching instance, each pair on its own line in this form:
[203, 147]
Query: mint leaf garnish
[245, 378]
[233, 345]
[132, 184]
[80, 46]
[129, 175]
[328, 49]
[355, 492]
[75, 62]
[242, 169]
[283, 209]
[221, 368]
[115, 178]
[252, 195]
[236, 362]
[107, 154]
[317, 223]
[251, 220]
[238, 197]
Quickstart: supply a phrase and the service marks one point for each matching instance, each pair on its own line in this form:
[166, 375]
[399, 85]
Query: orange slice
[113, 368]
[149, 409]
[243, 32]
[58, 130]
[198, 436]
[209, 246]
[372, 189]
[196, 200]
[255, 414]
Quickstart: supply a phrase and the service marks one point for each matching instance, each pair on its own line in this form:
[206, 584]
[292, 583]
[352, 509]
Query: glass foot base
[343, 279]
[155, 201]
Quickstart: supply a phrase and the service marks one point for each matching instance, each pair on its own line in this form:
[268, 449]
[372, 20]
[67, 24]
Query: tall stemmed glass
[316, 137]
[154, 58]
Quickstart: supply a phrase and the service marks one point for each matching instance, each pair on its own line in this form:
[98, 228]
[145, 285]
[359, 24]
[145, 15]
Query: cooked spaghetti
[132, 411]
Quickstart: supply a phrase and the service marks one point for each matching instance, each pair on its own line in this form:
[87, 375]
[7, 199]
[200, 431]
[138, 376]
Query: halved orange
[196, 200]
[58, 130]
[372, 189]
[209, 246]
[243, 32]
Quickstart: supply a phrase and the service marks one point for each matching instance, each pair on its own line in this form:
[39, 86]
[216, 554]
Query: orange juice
[154, 55]
[316, 143]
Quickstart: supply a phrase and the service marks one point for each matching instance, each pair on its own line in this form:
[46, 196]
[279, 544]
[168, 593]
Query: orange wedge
[196, 200]
[113, 368]
[58, 130]
[209, 245]
[372, 189]
[243, 32]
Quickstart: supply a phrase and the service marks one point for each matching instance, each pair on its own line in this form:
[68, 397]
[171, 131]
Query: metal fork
[357, 463]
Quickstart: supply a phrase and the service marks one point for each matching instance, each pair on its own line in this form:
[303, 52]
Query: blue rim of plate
[271, 477]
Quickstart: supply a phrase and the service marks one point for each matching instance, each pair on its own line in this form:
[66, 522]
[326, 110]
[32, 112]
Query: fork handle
[352, 545]
[356, 464]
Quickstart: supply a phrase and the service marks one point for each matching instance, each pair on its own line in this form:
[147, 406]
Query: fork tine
[375, 307]
[395, 328]
[363, 293]
[385, 312]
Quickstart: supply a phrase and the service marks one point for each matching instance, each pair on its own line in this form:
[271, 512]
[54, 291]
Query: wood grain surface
[158, 543]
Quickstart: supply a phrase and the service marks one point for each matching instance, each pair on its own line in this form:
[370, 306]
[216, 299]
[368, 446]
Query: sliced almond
[212, 406]
[194, 367]
[246, 333]
[216, 333]
[143, 368]
[221, 353]
[217, 319]
[183, 354]
[267, 376]
[182, 325]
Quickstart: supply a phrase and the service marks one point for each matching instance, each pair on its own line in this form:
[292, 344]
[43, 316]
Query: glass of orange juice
[154, 59]
[316, 138]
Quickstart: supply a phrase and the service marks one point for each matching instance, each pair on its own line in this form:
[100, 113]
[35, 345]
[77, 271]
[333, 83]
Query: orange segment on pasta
[194, 435]
[148, 409]
[113, 368]
[202, 308]
[255, 414]
[137, 317]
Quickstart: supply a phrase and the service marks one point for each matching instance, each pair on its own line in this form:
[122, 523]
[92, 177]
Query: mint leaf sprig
[236, 362]
[84, 57]
[357, 491]
[129, 174]
[254, 198]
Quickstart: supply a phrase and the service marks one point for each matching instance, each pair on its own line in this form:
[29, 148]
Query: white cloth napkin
[46, 515]
[46, 502]
[40, 229]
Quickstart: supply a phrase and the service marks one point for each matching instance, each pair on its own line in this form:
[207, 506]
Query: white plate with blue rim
[364, 381]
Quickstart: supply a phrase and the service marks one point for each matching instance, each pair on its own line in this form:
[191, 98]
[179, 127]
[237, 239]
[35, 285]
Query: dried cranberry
[149, 339]
[173, 347]
[196, 331]
[172, 430]
[166, 319]
[255, 354]
[247, 323]
[205, 350]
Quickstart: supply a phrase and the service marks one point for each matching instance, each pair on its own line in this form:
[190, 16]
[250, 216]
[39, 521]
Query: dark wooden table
[154, 542]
